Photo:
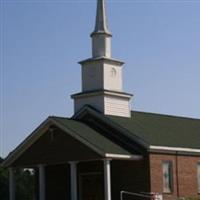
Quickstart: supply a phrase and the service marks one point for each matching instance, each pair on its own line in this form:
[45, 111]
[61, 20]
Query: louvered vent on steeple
[102, 75]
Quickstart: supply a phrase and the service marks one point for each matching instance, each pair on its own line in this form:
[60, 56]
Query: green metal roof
[91, 136]
[162, 130]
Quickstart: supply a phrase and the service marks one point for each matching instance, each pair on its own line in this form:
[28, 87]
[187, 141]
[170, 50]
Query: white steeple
[102, 75]
[101, 25]
[101, 37]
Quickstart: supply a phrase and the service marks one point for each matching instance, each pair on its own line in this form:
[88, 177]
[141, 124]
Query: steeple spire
[101, 25]
[102, 84]
[101, 37]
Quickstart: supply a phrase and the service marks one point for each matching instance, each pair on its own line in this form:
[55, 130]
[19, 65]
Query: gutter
[123, 157]
[177, 149]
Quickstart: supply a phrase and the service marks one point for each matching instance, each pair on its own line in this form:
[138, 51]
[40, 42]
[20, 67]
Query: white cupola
[102, 75]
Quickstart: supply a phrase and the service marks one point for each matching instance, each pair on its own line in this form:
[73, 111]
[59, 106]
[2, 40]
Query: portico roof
[90, 137]
[86, 136]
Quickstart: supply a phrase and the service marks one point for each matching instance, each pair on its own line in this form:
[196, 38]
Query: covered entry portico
[71, 163]
[81, 180]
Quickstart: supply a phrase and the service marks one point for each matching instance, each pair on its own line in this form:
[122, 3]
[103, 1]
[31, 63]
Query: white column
[73, 178]
[42, 187]
[11, 184]
[107, 179]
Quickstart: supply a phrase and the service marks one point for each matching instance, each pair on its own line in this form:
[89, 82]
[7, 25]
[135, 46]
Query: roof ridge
[59, 117]
[167, 115]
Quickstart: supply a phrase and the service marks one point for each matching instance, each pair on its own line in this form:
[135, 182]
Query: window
[198, 176]
[113, 72]
[167, 176]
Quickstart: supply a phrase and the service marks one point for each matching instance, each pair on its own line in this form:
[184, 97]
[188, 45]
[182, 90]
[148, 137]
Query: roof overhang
[103, 59]
[174, 149]
[45, 126]
[102, 92]
[123, 157]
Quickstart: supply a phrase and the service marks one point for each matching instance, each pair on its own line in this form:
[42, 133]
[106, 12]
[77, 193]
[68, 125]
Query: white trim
[198, 176]
[107, 180]
[100, 93]
[121, 156]
[174, 149]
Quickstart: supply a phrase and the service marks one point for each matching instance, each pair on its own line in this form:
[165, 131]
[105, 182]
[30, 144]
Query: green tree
[4, 194]
[24, 184]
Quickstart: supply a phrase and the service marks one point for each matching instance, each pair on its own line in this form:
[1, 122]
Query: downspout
[177, 175]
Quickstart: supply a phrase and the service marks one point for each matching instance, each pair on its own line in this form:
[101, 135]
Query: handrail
[134, 194]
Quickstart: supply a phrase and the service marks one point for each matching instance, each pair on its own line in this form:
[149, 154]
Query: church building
[106, 151]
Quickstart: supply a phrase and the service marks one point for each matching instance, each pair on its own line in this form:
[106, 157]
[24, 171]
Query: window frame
[170, 186]
[198, 177]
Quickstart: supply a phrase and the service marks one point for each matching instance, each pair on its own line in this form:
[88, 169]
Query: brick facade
[184, 180]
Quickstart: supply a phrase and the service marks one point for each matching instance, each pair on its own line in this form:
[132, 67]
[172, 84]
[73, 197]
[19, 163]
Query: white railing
[151, 196]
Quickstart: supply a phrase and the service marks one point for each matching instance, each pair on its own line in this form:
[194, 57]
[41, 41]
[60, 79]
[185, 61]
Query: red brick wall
[184, 175]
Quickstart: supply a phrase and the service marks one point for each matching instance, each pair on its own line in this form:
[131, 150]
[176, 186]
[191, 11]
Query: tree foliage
[24, 184]
[3, 183]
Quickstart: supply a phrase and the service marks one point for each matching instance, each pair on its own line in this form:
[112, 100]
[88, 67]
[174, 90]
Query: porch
[73, 180]
[86, 180]
[77, 163]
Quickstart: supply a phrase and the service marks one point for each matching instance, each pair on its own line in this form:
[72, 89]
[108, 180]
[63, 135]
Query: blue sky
[42, 41]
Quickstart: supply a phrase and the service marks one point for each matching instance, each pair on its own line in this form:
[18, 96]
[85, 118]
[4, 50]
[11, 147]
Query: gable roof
[89, 136]
[154, 132]
[78, 130]
[162, 130]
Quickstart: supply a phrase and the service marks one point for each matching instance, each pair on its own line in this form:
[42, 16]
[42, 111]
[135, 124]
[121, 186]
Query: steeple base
[107, 102]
